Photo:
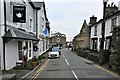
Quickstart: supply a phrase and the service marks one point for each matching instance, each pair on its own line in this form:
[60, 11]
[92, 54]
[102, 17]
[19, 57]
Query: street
[72, 67]
[34, 31]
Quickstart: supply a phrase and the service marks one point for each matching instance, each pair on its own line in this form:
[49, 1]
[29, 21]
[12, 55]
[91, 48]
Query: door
[20, 54]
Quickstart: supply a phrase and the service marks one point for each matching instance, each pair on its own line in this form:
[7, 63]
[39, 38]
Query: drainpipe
[4, 38]
[5, 16]
[4, 53]
[36, 24]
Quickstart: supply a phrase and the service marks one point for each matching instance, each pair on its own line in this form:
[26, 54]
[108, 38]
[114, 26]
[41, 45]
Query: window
[42, 19]
[20, 50]
[31, 24]
[30, 49]
[95, 31]
[46, 44]
[94, 46]
[108, 43]
[11, 7]
[26, 44]
[113, 23]
[58, 40]
[43, 45]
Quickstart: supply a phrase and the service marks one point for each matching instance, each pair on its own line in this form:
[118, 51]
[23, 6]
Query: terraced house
[112, 20]
[19, 30]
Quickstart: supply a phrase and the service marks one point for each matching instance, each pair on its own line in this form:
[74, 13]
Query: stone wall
[115, 49]
[116, 40]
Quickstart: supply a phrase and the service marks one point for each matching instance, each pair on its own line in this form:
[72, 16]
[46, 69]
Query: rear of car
[53, 55]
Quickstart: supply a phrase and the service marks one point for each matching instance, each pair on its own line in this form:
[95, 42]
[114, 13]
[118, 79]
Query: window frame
[113, 23]
[20, 51]
[95, 30]
[30, 24]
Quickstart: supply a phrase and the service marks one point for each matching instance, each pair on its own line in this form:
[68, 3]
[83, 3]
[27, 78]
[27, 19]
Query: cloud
[67, 16]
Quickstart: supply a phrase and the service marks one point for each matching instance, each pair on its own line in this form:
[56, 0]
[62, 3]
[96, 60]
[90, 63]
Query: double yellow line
[39, 70]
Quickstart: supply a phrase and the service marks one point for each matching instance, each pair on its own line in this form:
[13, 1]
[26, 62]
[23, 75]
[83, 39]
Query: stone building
[59, 39]
[82, 39]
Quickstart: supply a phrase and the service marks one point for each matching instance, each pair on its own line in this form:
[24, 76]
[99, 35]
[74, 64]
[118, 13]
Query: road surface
[72, 67]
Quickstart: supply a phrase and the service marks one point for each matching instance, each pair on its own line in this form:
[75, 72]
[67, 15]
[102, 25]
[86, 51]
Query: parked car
[54, 53]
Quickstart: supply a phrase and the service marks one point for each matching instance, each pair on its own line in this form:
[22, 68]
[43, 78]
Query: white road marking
[75, 75]
[67, 62]
[63, 56]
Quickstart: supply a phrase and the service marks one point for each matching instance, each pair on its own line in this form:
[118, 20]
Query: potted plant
[34, 62]
[40, 59]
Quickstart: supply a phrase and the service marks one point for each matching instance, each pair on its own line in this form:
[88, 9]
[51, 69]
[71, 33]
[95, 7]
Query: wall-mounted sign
[19, 14]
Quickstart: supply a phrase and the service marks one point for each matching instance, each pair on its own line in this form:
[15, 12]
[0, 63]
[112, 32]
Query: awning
[17, 33]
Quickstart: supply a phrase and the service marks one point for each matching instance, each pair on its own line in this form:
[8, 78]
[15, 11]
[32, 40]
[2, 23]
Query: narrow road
[72, 67]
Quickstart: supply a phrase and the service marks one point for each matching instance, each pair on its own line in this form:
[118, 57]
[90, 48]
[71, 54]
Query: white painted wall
[118, 20]
[11, 54]
[99, 26]
[41, 27]
[108, 28]
[31, 50]
[119, 5]
[99, 35]
[1, 45]
[1, 29]
[41, 21]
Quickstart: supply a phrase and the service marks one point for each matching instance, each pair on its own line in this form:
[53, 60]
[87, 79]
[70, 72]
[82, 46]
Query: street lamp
[103, 32]
[103, 24]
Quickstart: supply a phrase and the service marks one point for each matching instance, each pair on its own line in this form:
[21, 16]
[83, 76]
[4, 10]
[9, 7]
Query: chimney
[110, 9]
[93, 19]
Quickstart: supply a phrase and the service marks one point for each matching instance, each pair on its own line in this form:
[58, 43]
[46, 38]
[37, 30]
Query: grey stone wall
[115, 49]
[116, 40]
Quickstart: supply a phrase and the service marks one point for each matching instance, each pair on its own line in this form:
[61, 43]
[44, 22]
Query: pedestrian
[24, 56]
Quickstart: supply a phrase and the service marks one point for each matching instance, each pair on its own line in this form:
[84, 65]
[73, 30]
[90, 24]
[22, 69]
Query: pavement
[14, 74]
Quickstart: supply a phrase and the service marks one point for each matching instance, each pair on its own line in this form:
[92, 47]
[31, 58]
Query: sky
[67, 16]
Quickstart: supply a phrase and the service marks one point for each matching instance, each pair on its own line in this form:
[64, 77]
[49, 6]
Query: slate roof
[112, 15]
[15, 33]
[36, 5]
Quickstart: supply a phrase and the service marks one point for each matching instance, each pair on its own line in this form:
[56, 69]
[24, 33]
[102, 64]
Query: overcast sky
[67, 16]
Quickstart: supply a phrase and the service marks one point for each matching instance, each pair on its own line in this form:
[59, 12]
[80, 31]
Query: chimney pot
[93, 19]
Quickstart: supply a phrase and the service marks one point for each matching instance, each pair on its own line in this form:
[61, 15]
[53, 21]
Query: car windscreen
[55, 49]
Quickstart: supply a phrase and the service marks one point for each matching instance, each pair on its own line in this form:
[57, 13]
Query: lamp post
[103, 24]
[103, 32]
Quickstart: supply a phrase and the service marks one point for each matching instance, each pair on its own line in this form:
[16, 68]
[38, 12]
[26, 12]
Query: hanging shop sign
[19, 14]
